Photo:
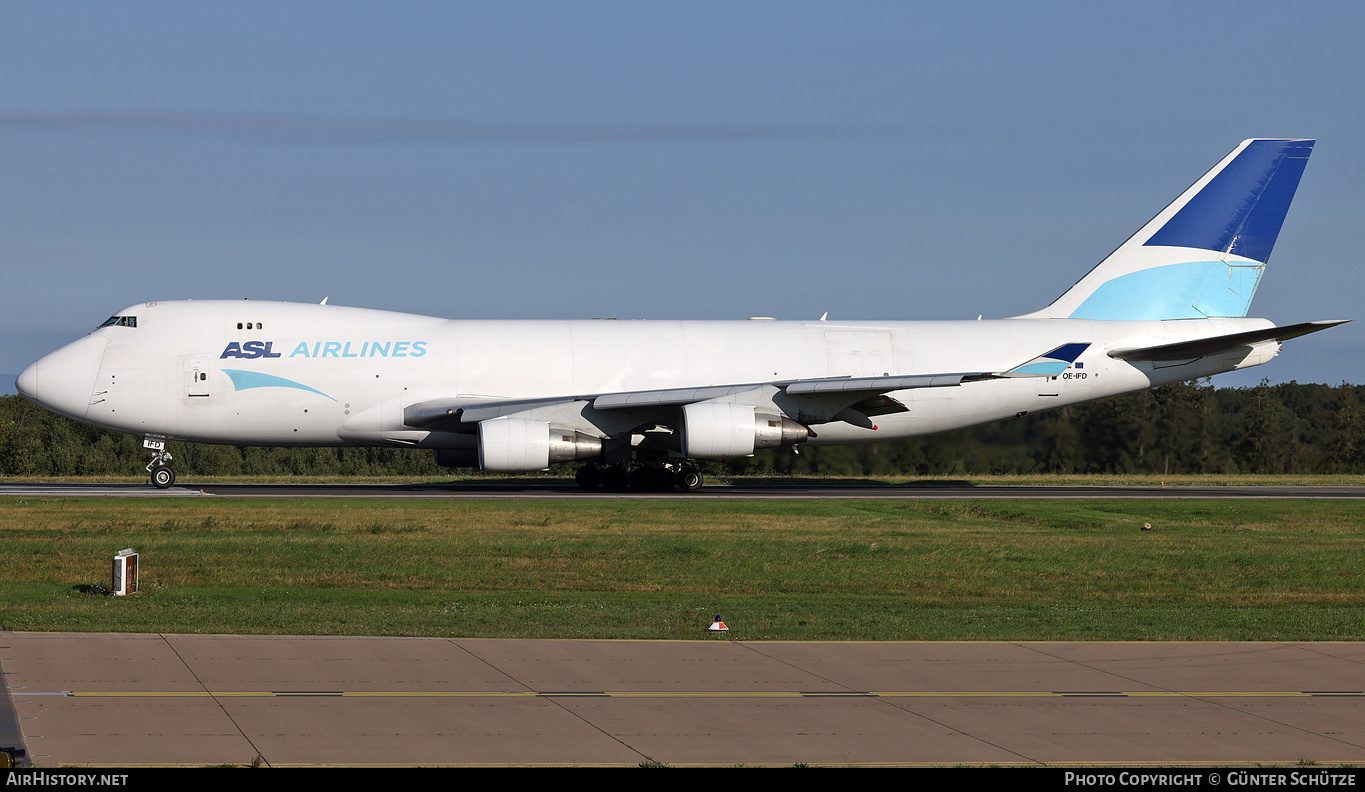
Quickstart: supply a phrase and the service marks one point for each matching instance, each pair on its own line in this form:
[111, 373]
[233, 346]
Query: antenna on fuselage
[324, 301]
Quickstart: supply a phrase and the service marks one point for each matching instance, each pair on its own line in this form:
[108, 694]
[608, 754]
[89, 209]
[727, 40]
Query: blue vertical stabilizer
[1203, 255]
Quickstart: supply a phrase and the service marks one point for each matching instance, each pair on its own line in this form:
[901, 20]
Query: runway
[559, 491]
[139, 700]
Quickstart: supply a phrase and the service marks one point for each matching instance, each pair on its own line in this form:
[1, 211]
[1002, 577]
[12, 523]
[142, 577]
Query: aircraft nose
[27, 383]
[64, 380]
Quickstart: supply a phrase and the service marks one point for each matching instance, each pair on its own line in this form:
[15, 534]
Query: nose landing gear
[159, 470]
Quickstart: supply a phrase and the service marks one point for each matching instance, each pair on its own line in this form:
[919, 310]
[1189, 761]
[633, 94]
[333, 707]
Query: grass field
[793, 570]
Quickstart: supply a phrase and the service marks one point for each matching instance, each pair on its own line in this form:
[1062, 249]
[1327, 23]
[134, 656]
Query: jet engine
[518, 445]
[715, 430]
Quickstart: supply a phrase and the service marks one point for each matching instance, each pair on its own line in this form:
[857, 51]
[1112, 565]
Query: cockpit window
[120, 321]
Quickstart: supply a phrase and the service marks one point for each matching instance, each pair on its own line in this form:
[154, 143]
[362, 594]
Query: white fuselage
[319, 375]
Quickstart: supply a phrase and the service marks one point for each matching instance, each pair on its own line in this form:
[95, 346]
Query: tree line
[1176, 429]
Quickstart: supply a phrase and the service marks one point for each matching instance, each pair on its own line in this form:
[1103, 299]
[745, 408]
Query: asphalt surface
[140, 700]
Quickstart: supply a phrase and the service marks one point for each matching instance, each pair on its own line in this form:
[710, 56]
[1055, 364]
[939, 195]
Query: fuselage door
[196, 377]
[858, 352]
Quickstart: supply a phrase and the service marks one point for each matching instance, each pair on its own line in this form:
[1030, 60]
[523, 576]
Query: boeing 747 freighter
[641, 401]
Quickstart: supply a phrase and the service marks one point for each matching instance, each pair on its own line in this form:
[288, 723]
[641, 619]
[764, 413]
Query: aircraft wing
[866, 395]
[1188, 350]
[473, 410]
[673, 396]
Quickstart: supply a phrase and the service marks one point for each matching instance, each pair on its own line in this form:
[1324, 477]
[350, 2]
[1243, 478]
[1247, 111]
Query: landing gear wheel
[163, 477]
[589, 477]
[615, 479]
[689, 479]
[661, 479]
[158, 469]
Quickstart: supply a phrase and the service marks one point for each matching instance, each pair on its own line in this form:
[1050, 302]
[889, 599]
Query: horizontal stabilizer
[1186, 350]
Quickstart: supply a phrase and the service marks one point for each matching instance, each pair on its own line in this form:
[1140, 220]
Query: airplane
[641, 401]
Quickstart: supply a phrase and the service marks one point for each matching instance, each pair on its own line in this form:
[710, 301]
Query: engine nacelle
[518, 445]
[716, 430]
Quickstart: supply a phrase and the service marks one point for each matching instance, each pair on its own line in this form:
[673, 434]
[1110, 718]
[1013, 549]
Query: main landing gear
[159, 469]
[684, 476]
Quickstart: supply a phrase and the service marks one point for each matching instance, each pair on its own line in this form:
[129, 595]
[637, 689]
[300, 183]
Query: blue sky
[648, 160]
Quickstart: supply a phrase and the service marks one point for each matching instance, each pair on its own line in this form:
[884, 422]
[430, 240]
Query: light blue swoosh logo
[245, 380]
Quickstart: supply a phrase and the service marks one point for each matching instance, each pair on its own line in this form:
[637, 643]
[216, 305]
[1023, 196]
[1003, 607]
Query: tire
[589, 477]
[661, 480]
[615, 479]
[163, 477]
[689, 479]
